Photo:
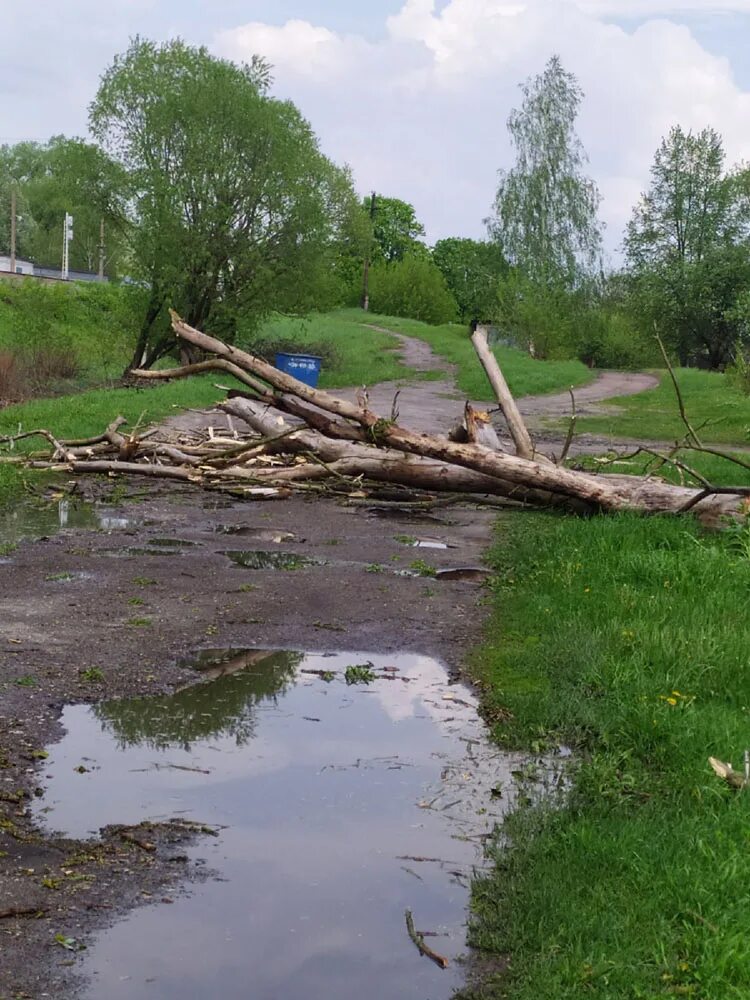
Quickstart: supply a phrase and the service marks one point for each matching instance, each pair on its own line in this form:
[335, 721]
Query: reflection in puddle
[338, 806]
[29, 520]
[257, 559]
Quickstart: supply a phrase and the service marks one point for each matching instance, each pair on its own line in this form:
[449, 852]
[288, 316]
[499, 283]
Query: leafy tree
[471, 269]
[232, 201]
[59, 176]
[412, 287]
[686, 249]
[395, 228]
[545, 210]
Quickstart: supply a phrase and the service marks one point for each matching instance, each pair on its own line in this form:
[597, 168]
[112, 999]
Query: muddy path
[87, 615]
[435, 404]
[106, 593]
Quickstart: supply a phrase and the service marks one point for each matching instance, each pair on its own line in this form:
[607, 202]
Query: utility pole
[13, 230]
[101, 250]
[366, 274]
[67, 237]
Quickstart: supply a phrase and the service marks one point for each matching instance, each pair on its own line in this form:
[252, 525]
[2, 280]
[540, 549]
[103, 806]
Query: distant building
[40, 271]
[22, 266]
[55, 272]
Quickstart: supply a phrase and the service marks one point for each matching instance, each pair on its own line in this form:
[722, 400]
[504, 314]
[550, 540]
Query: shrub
[738, 372]
[612, 340]
[413, 288]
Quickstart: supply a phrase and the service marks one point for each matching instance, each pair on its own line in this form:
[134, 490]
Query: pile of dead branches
[284, 435]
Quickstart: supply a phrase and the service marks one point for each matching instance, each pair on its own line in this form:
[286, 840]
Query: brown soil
[53, 628]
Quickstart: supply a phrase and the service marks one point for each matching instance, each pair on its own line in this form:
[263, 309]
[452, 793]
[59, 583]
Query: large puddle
[39, 520]
[346, 789]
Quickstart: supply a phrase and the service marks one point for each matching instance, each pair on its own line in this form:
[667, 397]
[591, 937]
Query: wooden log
[590, 489]
[384, 464]
[516, 426]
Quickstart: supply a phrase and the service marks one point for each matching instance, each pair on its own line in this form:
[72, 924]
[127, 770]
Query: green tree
[232, 201]
[471, 269]
[395, 228]
[545, 209]
[18, 163]
[686, 249]
[79, 178]
[59, 176]
[413, 287]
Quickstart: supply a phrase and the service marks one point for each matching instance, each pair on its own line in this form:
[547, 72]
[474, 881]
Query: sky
[414, 94]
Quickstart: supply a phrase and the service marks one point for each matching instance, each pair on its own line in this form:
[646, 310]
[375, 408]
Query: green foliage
[545, 210]
[709, 397]
[603, 639]
[738, 372]
[687, 252]
[540, 318]
[359, 673]
[92, 324]
[471, 269]
[610, 338]
[396, 231]
[413, 287]
[59, 176]
[235, 210]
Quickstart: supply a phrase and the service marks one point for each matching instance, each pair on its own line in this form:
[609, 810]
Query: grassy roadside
[653, 415]
[626, 638]
[351, 355]
[525, 376]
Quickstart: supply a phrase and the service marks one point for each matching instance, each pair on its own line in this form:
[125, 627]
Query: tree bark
[516, 426]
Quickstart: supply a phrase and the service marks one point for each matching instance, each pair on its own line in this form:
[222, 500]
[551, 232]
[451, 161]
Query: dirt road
[87, 615]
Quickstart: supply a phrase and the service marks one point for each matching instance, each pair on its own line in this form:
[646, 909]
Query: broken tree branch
[516, 426]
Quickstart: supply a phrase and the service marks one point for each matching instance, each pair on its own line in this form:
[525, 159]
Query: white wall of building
[22, 266]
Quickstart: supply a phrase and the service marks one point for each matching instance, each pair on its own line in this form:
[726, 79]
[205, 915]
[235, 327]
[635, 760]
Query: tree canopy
[472, 270]
[58, 177]
[234, 207]
[687, 249]
[395, 228]
[545, 210]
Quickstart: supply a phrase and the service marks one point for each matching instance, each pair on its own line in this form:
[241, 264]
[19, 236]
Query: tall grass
[92, 325]
[626, 638]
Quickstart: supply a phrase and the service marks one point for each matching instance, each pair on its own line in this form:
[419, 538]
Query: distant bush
[738, 372]
[413, 288]
[612, 340]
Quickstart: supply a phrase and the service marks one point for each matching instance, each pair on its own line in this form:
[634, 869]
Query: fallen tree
[294, 436]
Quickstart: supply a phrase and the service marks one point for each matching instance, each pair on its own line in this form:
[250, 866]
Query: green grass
[94, 324]
[524, 374]
[351, 354]
[654, 415]
[716, 470]
[85, 414]
[626, 638]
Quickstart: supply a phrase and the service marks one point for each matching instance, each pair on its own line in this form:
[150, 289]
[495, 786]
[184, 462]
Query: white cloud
[654, 8]
[420, 114]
